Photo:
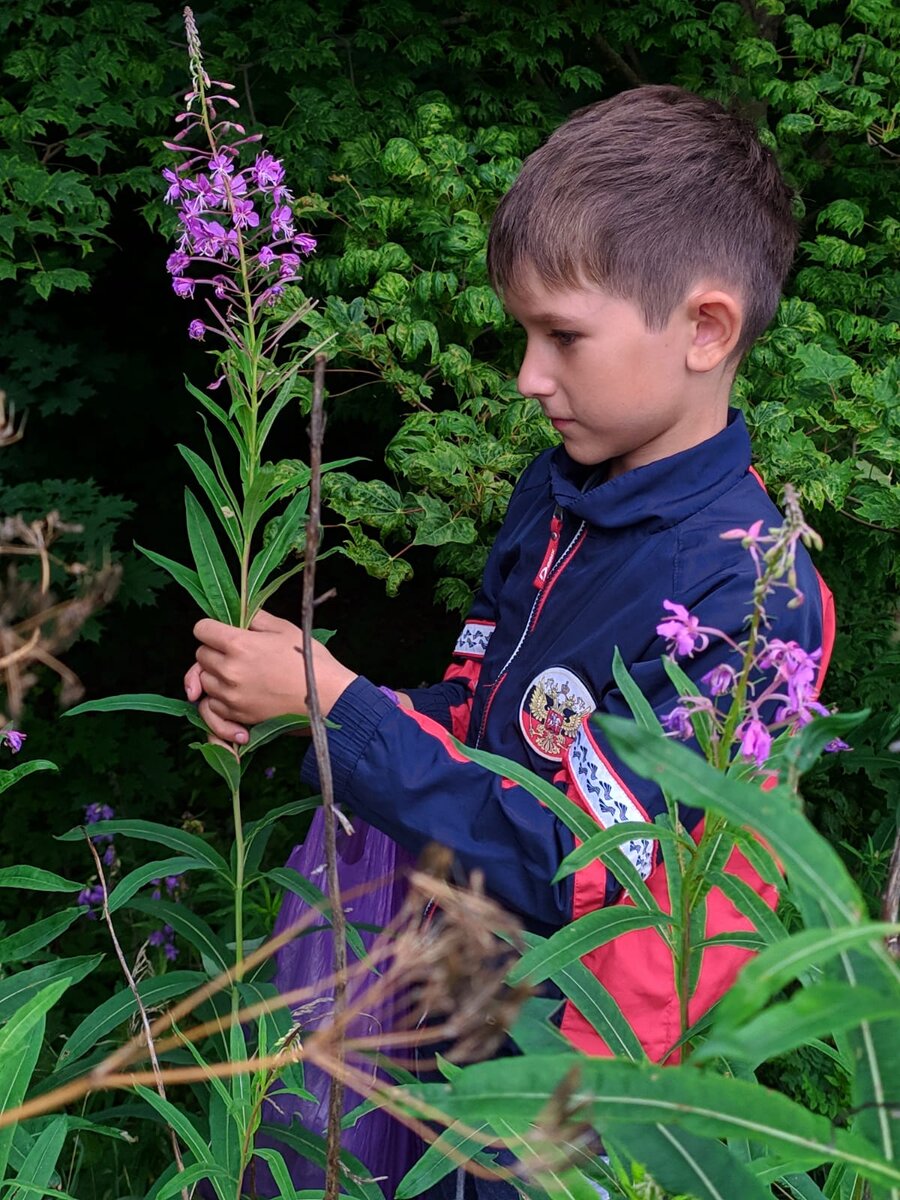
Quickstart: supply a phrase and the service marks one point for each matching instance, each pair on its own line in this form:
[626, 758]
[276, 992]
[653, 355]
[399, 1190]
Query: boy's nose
[534, 379]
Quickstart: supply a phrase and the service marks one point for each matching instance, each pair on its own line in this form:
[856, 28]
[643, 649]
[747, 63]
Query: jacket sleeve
[402, 772]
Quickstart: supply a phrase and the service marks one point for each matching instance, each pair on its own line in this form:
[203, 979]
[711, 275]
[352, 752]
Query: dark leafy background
[401, 124]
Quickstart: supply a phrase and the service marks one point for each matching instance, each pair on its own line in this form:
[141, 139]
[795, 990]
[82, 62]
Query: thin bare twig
[320, 742]
[145, 1019]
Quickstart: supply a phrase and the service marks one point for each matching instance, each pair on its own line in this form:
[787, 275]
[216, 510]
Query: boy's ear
[716, 317]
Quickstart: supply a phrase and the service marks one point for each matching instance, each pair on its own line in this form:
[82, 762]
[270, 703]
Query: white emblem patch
[551, 709]
[473, 641]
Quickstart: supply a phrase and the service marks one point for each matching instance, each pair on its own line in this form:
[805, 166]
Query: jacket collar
[661, 493]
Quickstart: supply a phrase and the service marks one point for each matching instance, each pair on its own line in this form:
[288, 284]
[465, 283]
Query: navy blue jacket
[578, 568]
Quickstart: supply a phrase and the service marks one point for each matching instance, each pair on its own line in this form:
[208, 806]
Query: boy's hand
[244, 676]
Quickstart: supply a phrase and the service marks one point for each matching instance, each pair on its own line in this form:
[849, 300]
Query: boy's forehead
[550, 303]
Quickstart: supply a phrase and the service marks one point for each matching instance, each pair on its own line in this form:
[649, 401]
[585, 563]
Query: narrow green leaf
[218, 1176]
[684, 1162]
[640, 706]
[266, 593]
[21, 1041]
[12, 776]
[569, 813]
[222, 503]
[354, 1176]
[751, 905]
[292, 809]
[188, 579]
[435, 1164]
[16, 990]
[24, 942]
[187, 924]
[595, 1004]
[699, 1101]
[587, 933]
[267, 731]
[293, 881]
[270, 558]
[150, 831]
[211, 407]
[184, 1127]
[222, 761]
[787, 959]
[153, 991]
[812, 864]
[36, 879]
[700, 721]
[805, 748]
[212, 570]
[39, 1167]
[280, 1173]
[135, 880]
[141, 702]
[601, 842]
[814, 1012]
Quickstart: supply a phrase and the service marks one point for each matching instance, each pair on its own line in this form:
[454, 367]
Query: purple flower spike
[266, 256]
[170, 951]
[720, 680]
[305, 243]
[14, 738]
[156, 938]
[756, 741]
[682, 630]
[183, 287]
[196, 330]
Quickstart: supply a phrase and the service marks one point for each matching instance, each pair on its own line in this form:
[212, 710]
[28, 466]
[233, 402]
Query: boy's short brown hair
[645, 195]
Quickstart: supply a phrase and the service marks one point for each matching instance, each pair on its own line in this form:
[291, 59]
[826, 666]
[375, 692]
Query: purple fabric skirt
[387, 1148]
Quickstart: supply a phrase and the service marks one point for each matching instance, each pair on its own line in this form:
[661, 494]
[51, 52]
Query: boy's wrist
[331, 689]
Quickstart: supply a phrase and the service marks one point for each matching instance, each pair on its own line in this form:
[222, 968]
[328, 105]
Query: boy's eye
[563, 337]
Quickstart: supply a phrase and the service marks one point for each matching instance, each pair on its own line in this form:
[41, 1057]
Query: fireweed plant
[743, 723]
[237, 251]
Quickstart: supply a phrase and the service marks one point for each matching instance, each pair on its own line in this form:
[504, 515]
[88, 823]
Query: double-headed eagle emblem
[556, 713]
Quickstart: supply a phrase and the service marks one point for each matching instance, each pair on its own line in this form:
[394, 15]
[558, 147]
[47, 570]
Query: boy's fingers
[193, 688]
[215, 633]
[220, 726]
[213, 661]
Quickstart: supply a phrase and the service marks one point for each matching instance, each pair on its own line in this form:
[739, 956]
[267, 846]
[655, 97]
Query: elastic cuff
[436, 702]
[359, 711]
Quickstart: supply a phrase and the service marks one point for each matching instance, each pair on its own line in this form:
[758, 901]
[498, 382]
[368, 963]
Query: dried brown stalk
[320, 743]
[455, 970]
[34, 625]
[156, 1073]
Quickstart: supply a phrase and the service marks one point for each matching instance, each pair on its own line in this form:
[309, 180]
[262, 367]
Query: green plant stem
[239, 866]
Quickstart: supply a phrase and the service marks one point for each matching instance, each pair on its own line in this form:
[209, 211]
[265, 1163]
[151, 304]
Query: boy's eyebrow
[552, 318]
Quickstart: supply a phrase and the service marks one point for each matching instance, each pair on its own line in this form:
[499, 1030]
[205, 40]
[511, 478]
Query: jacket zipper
[547, 573]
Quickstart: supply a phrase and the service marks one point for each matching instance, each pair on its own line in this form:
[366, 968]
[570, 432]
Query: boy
[643, 249]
